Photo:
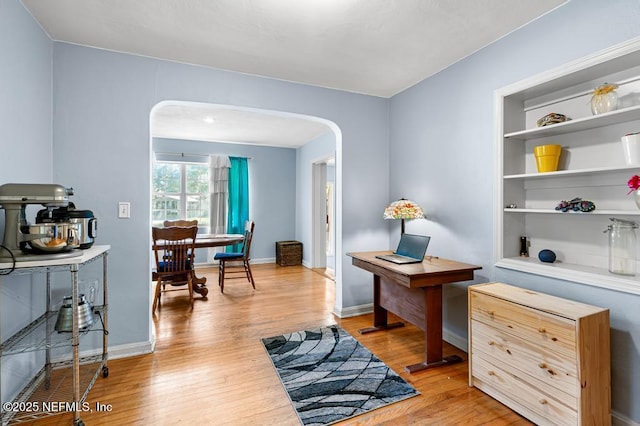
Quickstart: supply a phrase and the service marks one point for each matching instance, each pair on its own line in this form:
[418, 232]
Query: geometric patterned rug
[329, 376]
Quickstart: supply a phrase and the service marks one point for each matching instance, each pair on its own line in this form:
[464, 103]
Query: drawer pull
[491, 343]
[491, 373]
[543, 401]
[542, 365]
[542, 330]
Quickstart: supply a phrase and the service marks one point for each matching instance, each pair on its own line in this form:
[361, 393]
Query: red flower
[633, 183]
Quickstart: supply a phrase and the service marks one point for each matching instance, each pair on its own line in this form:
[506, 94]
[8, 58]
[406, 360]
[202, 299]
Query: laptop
[411, 249]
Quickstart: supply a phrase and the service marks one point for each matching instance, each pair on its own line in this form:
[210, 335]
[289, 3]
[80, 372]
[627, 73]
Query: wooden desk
[205, 241]
[414, 293]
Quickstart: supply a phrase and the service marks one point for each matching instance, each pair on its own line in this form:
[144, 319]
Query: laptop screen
[413, 245]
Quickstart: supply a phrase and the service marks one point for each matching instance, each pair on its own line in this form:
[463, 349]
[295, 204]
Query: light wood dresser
[544, 357]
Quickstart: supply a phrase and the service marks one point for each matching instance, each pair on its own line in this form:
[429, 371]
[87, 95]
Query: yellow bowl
[547, 157]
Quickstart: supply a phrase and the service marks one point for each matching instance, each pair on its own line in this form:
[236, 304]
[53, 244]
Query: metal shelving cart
[47, 393]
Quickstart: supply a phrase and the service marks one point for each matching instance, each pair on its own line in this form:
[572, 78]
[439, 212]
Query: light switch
[124, 210]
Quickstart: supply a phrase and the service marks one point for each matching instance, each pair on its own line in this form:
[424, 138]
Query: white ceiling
[374, 47]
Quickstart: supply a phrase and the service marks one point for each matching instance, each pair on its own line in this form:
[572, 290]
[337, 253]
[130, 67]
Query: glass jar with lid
[622, 246]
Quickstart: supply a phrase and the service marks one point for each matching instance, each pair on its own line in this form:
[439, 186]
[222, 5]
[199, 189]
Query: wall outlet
[124, 210]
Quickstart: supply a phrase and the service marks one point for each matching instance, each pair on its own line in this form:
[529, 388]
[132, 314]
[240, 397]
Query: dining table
[207, 241]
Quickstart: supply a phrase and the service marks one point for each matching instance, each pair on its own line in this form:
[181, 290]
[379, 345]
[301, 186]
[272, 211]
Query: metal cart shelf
[56, 388]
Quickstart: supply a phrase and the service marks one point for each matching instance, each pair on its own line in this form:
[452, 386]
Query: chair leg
[221, 275]
[156, 296]
[247, 269]
[190, 286]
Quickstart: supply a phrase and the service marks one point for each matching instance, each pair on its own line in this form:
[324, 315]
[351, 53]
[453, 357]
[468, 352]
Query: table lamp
[403, 209]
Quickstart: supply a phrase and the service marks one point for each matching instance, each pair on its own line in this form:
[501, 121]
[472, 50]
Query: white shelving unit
[592, 167]
[61, 381]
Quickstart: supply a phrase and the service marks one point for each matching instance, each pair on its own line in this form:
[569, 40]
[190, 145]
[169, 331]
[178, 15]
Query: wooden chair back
[248, 237]
[174, 249]
[170, 223]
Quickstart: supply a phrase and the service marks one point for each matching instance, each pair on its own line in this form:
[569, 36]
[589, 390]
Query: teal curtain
[238, 212]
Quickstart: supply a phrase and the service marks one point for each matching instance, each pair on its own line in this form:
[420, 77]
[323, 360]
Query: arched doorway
[243, 125]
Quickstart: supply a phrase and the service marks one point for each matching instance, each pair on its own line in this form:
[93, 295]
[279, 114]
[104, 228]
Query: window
[180, 191]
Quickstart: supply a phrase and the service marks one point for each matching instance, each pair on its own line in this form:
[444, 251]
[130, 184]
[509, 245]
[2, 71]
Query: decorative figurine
[552, 118]
[576, 205]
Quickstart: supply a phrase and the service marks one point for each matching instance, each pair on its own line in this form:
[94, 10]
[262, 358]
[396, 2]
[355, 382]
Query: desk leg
[433, 332]
[379, 313]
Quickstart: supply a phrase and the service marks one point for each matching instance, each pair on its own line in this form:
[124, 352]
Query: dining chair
[237, 264]
[174, 249]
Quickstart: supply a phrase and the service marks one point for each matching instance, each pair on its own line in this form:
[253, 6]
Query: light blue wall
[320, 148]
[440, 133]
[101, 134]
[272, 189]
[25, 142]
[442, 156]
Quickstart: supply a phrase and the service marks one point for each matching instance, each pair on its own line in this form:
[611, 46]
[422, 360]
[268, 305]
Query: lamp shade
[403, 209]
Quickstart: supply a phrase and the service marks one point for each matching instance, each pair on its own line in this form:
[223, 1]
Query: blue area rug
[330, 376]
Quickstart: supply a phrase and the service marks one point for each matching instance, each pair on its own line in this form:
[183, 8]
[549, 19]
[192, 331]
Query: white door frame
[319, 214]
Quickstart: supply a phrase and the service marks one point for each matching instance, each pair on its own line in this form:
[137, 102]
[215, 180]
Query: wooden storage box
[288, 253]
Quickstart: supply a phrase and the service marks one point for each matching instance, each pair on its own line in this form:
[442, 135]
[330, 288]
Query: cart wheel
[78, 422]
[105, 372]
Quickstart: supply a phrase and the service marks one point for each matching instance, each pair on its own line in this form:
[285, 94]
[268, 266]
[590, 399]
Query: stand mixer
[24, 242]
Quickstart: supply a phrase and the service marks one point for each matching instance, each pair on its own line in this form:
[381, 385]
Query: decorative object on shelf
[604, 99]
[547, 157]
[512, 206]
[552, 118]
[524, 246]
[634, 188]
[403, 209]
[631, 148]
[622, 246]
[547, 256]
[576, 205]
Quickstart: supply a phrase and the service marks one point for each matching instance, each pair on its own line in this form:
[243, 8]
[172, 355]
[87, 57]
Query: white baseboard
[353, 311]
[119, 351]
[131, 349]
[618, 419]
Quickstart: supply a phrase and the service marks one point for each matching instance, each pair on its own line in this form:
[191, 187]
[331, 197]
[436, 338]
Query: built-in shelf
[594, 212]
[597, 277]
[577, 172]
[595, 163]
[584, 123]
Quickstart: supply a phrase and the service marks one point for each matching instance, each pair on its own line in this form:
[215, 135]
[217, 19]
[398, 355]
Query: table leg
[199, 284]
[433, 332]
[379, 313]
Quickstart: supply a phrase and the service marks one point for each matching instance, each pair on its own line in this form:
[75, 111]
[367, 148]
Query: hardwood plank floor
[210, 367]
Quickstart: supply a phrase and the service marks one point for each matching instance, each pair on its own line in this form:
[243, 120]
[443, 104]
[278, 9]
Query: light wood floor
[210, 368]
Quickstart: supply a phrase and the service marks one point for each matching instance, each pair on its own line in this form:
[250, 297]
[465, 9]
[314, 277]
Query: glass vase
[622, 247]
[604, 99]
[636, 197]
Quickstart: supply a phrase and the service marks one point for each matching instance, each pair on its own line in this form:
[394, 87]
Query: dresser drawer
[552, 332]
[519, 395]
[554, 373]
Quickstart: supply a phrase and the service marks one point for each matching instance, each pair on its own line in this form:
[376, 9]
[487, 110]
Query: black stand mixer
[23, 241]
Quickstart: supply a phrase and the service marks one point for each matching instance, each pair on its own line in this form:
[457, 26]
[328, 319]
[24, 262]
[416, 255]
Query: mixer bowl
[64, 322]
[53, 237]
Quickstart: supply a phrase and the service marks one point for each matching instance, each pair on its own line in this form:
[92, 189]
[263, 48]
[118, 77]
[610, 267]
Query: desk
[414, 293]
[205, 241]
